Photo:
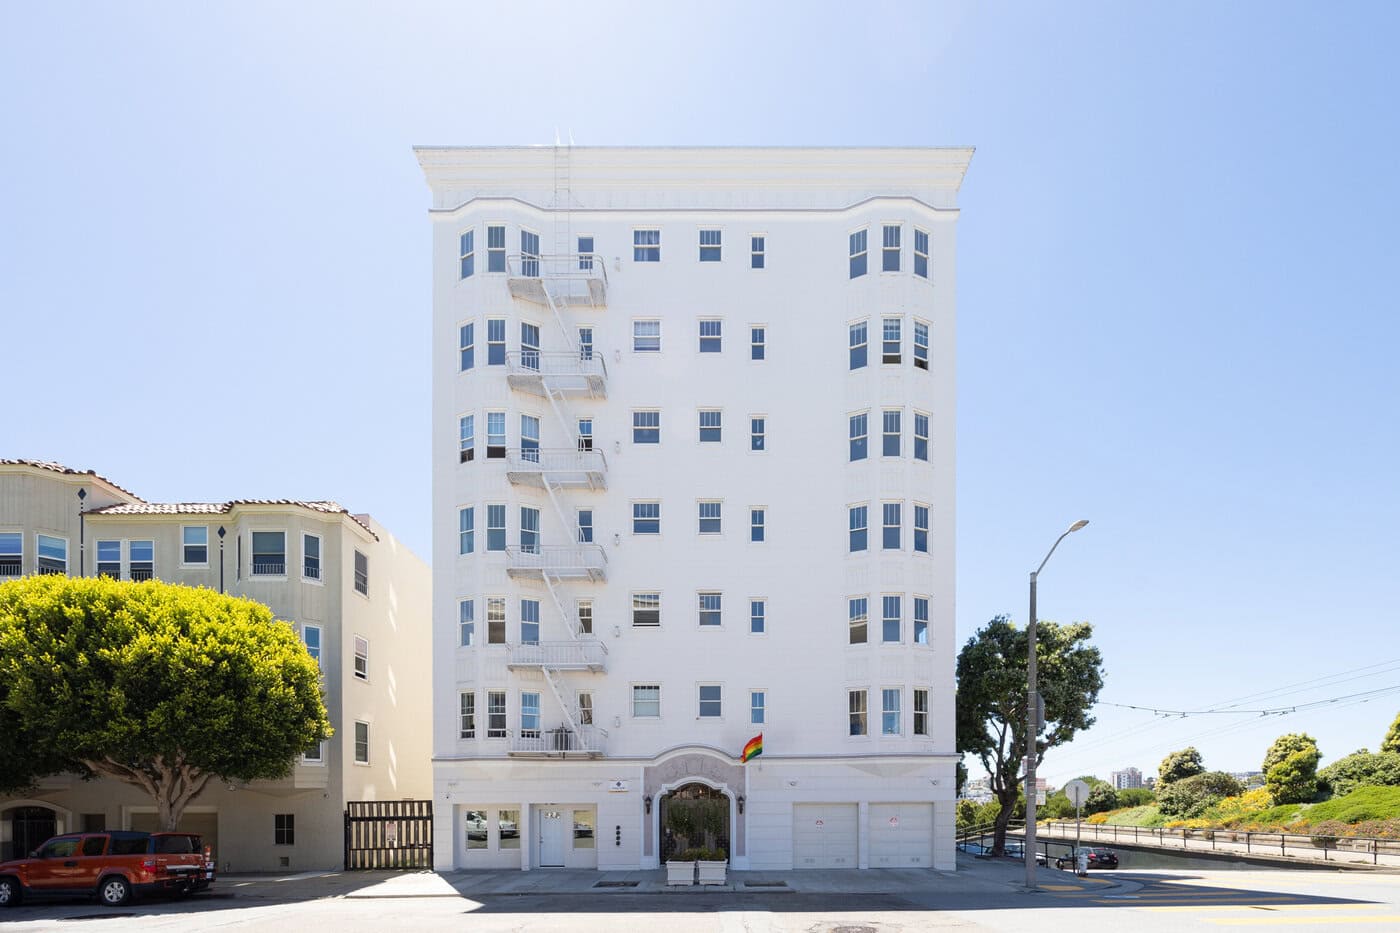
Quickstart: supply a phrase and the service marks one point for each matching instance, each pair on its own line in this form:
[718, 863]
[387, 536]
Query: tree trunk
[1007, 799]
[172, 787]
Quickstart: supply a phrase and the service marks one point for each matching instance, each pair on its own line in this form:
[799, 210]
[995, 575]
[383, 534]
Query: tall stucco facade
[356, 596]
[693, 482]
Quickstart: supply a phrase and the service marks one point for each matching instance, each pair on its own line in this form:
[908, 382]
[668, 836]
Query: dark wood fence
[388, 834]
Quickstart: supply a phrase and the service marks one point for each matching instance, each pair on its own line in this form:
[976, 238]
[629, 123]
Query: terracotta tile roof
[223, 508]
[68, 471]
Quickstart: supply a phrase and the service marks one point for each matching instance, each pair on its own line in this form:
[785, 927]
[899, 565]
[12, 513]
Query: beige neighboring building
[358, 598]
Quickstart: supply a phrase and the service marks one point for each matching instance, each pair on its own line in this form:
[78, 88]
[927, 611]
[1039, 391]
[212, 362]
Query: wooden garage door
[206, 824]
[901, 835]
[824, 835]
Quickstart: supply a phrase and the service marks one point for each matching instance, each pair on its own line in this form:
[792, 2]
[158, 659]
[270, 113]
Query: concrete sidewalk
[972, 875]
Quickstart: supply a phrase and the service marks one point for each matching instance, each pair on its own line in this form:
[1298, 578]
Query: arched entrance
[28, 827]
[694, 816]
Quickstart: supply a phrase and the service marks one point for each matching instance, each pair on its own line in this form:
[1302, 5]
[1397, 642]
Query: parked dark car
[1099, 857]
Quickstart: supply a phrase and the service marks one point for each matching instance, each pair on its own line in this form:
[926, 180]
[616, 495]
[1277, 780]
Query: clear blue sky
[1176, 282]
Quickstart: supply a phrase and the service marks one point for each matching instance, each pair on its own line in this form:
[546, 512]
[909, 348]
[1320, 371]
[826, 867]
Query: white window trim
[504, 249]
[660, 334]
[355, 656]
[632, 519]
[720, 594]
[632, 607]
[900, 249]
[195, 565]
[763, 252]
[476, 623]
[699, 518]
[751, 601]
[764, 435]
[764, 510]
[701, 336]
[321, 556]
[458, 365]
[369, 743]
[866, 252]
[699, 427]
[315, 762]
[286, 553]
[700, 245]
[899, 728]
[632, 700]
[846, 720]
[722, 704]
[765, 691]
[650, 246]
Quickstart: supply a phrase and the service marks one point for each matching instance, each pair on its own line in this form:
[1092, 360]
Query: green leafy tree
[1180, 764]
[1294, 779]
[1361, 769]
[991, 704]
[1193, 795]
[1102, 798]
[1135, 797]
[1391, 742]
[1286, 745]
[1057, 807]
[156, 685]
[966, 814]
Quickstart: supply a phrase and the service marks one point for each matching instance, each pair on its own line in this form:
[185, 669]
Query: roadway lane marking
[1299, 921]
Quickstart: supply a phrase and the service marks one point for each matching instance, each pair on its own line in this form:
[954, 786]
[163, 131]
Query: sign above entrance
[618, 787]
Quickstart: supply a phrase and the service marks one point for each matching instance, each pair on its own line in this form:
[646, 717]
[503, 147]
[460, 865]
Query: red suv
[111, 865]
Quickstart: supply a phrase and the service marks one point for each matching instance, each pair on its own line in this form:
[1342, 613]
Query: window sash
[892, 340]
[466, 623]
[646, 609]
[646, 245]
[920, 253]
[711, 336]
[466, 342]
[646, 701]
[711, 426]
[920, 620]
[858, 339]
[856, 707]
[467, 252]
[757, 252]
[711, 702]
[758, 519]
[891, 433]
[646, 518]
[890, 712]
[859, 436]
[858, 612]
[891, 619]
[646, 336]
[710, 245]
[495, 714]
[467, 723]
[858, 254]
[758, 616]
[859, 517]
[890, 248]
[646, 427]
[921, 712]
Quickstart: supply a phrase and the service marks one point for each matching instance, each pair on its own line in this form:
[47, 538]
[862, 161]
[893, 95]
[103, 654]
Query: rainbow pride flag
[753, 749]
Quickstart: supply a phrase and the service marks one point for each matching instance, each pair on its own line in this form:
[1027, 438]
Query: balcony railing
[583, 370]
[11, 567]
[574, 279]
[140, 574]
[565, 466]
[561, 740]
[269, 568]
[560, 561]
[585, 654]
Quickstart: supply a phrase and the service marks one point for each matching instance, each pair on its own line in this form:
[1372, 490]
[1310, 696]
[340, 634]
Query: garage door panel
[824, 835]
[901, 835]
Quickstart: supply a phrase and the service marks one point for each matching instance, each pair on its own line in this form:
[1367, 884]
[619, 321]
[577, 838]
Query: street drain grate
[614, 884]
[765, 884]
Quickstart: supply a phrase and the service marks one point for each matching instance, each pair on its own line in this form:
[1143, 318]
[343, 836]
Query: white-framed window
[466, 431]
[710, 243]
[890, 419]
[495, 341]
[52, 554]
[11, 554]
[583, 612]
[758, 617]
[858, 712]
[646, 245]
[920, 712]
[858, 612]
[758, 524]
[920, 345]
[495, 620]
[585, 434]
[109, 559]
[495, 435]
[361, 658]
[529, 254]
[529, 715]
[646, 609]
[495, 714]
[466, 530]
[529, 621]
[646, 426]
[646, 336]
[921, 253]
[889, 249]
[892, 339]
[711, 426]
[585, 526]
[466, 347]
[920, 436]
[495, 526]
[859, 340]
[859, 434]
[585, 343]
[142, 560]
[710, 701]
[920, 529]
[585, 708]
[314, 755]
[758, 342]
[646, 701]
[466, 622]
[891, 618]
[646, 518]
[711, 608]
[711, 335]
[269, 553]
[858, 253]
[194, 545]
[311, 638]
[530, 438]
[496, 248]
[859, 520]
[890, 717]
[758, 247]
[467, 705]
[361, 574]
[758, 433]
[361, 742]
[310, 556]
[466, 247]
[585, 253]
[758, 707]
[529, 530]
[529, 346]
[710, 517]
[891, 525]
[921, 620]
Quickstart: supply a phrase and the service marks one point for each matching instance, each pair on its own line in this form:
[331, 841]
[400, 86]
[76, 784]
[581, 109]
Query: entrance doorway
[552, 838]
[694, 816]
[30, 827]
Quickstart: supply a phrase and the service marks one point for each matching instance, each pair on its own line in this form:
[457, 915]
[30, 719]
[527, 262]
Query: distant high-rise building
[1126, 779]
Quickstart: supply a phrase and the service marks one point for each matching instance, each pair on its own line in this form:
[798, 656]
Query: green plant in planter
[681, 821]
[712, 818]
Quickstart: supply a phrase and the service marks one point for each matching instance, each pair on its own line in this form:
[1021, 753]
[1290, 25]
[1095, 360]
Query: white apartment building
[693, 482]
[357, 597]
[1127, 779]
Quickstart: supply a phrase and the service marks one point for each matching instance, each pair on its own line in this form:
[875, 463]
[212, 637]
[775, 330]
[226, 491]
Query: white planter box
[681, 872]
[712, 872]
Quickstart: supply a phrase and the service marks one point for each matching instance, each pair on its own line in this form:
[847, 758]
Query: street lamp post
[1033, 713]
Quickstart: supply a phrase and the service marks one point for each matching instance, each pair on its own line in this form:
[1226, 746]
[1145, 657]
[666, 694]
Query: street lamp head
[1078, 525]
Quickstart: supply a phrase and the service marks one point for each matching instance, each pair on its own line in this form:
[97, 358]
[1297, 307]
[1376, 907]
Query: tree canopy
[991, 703]
[1193, 795]
[1391, 742]
[160, 686]
[1290, 768]
[1361, 769]
[1180, 764]
[1286, 745]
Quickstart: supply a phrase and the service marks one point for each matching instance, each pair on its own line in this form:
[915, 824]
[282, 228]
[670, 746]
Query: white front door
[552, 838]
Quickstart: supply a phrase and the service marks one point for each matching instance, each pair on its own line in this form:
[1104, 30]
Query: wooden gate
[388, 834]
